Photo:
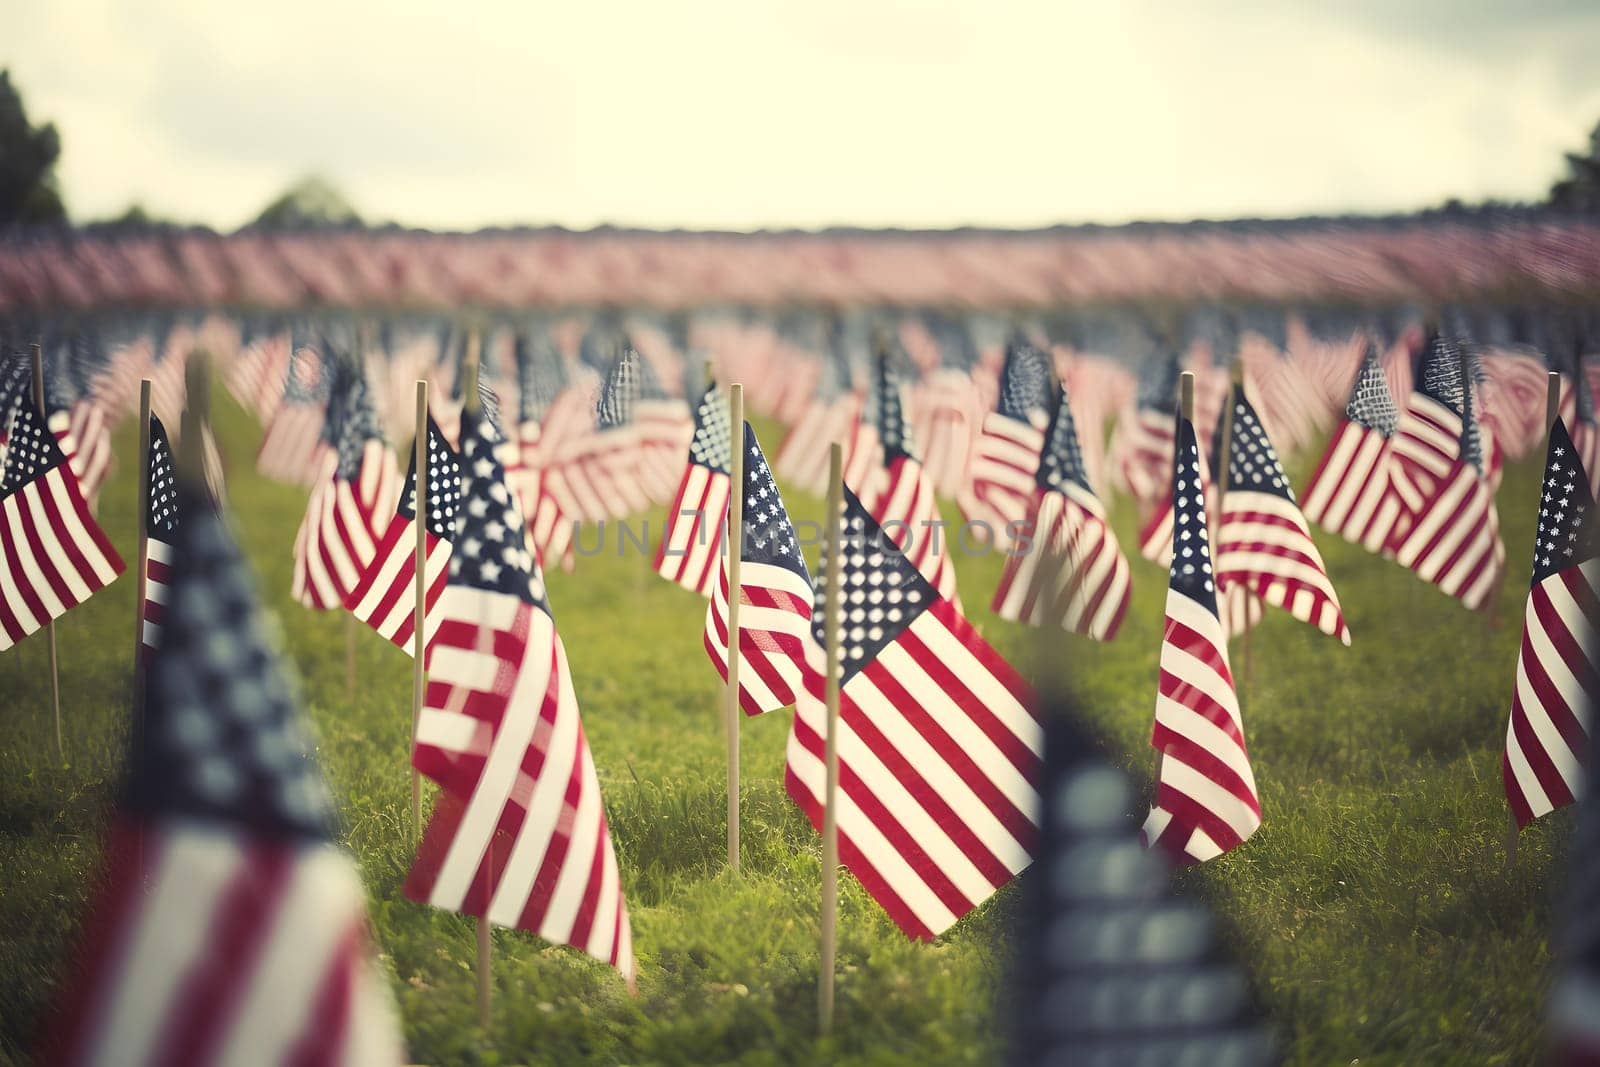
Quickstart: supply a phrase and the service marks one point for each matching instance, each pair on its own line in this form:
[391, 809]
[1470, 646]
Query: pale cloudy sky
[740, 113]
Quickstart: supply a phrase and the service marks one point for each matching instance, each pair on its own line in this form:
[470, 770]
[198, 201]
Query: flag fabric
[1263, 543]
[293, 445]
[385, 596]
[1349, 493]
[774, 596]
[161, 529]
[691, 542]
[1073, 574]
[229, 927]
[519, 834]
[1005, 457]
[358, 486]
[665, 427]
[541, 383]
[1141, 444]
[1206, 801]
[53, 555]
[939, 742]
[902, 493]
[1574, 1007]
[1558, 666]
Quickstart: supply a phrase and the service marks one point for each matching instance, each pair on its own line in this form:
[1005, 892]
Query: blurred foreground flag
[54, 555]
[1558, 667]
[1074, 574]
[1575, 997]
[1112, 967]
[519, 833]
[774, 596]
[1206, 801]
[939, 743]
[229, 927]
[691, 542]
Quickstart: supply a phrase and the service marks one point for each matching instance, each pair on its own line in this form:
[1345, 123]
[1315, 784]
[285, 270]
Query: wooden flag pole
[830, 806]
[419, 617]
[50, 624]
[143, 555]
[735, 553]
[1224, 461]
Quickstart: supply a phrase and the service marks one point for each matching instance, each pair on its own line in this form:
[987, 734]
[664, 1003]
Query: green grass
[1372, 909]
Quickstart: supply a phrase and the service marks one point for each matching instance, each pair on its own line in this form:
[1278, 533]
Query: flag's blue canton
[768, 534]
[222, 738]
[711, 445]
[444, 485]
[540, 376]
[1159, 391]
[31, 450]
[889, 415]
[491, 544]
[1191, 555]
[1024, 381]
[1370, 403]
[1253, 466]
[162, 517]
[620, 392]
[1062, 459]
[1442, 380]
[882, 593]
[358, 424]
[650, 387]
[1265, 322]
[1563, 538]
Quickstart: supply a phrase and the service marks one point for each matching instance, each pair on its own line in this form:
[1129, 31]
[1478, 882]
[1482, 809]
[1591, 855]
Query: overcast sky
[739, 113]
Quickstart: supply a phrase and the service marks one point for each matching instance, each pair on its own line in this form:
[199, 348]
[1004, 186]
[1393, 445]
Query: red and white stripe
[1585, 435]
[209, 948]
[1264, 546]
[802, 458]
[939, 752]
[1141, 455]
[1206, 799]
[774, 628]
[337, 539]
[53, 555]
[905, 502]
[1004, 461]
[520, 834]
[665, 429]
[157, 580]
[85, 439]
[1558, 679]
[692, 542]
[1073, 575]
[1349, 494]
[385, 596]
[1454, 542]
[946, 417]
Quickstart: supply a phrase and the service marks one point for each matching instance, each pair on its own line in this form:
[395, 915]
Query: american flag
[1005, 457]
[292, 448]
[802, 457]
[1349, 493]
[54, 555]
[1577, 411]
[691, 542]
[541, 383]
[385, 596]
[1119, 951]
[1263, 543]
[938, 740]
[1141, 444]
[948, 418]
[1206, 801]
[358, 486]
[665, 427]
[904, 496]
[1074, 574]
[230, 928]
[602, 473]
[519, 833]
[1558, 667]
[160, 527]
[774, 596]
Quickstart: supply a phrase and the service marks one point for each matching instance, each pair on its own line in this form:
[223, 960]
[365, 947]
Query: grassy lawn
[1373, 909]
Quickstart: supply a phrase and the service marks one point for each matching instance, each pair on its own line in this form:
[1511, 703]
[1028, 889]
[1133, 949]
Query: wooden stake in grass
[830, 808]
[143, 556]
[1224, 457]
[420, 617]
[50, 624]
[735, 550]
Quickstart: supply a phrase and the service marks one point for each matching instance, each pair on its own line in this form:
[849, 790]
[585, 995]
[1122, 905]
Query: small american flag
[1141, 445]
[1074, 574]
[1005, 457]
[161, 528]
[385, 596]
[939, 744]
[665, 429]
[692, 540]
[774, 596]
[1206, 800]
[230, 927]
[541, 379]
[519, 834]
[1349, 493]
[357, 487]
[55, 555]
[292, 448]
[1577, 411]
[1558, 667]
[1263, 543]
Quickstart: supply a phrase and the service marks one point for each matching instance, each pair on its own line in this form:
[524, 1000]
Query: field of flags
[1212, 614]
